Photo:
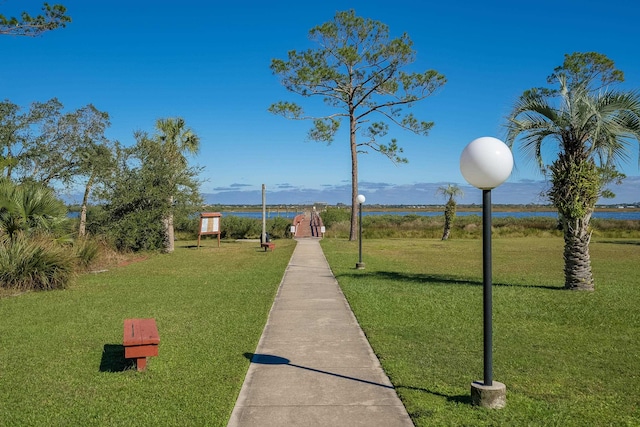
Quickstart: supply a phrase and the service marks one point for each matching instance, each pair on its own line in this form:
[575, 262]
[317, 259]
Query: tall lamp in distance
[486, 163]
[360, 199]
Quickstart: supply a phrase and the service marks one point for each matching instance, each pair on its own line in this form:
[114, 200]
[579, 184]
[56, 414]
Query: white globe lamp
[486, 163]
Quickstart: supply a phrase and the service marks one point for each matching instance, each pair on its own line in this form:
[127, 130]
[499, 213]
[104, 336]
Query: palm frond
[601, 126]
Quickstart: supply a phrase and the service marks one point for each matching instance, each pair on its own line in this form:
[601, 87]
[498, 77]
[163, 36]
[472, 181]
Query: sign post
[209, 224]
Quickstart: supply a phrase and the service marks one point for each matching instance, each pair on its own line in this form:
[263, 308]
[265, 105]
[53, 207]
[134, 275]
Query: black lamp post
[360, 199]
[486, 163]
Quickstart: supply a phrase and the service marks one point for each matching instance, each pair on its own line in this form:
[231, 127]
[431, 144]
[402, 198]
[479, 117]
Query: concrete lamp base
[489, 396]
[359, 265]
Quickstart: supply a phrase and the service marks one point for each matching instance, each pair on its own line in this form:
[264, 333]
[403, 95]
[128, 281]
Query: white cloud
[522, 192]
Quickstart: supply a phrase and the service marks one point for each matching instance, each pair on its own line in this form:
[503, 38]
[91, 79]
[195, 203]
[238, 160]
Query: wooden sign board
[209, 224]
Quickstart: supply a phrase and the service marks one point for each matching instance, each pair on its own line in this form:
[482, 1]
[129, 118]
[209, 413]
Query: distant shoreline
[410, 208]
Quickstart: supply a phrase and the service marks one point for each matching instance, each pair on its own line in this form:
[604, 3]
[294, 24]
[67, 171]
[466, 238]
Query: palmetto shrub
[29, 207]
[34, 263]
[86, 251]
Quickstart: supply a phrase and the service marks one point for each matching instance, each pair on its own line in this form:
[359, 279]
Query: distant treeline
[394, 208]
[336, 222]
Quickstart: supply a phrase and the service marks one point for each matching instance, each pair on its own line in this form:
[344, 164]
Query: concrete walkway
[313, 365]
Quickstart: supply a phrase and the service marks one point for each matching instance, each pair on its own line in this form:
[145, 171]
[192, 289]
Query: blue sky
[208, 62]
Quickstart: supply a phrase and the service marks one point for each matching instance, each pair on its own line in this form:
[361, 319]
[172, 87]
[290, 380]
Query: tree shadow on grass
[202, 246]
[620, 242]
[113, 359]
[436, 279]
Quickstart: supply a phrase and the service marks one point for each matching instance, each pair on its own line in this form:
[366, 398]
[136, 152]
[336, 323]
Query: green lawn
[567, 358]
[61, 359]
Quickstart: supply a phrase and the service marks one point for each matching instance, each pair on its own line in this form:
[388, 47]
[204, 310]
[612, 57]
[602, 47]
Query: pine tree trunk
[577, 261]
[353, 232]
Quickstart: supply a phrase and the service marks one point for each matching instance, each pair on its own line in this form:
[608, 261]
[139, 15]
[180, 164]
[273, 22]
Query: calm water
[622, 214]
[258, 214]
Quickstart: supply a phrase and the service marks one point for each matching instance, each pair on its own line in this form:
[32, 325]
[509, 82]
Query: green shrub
[279, 227]
[615, 224]
[186, 228]
[338, 230]
[97, 220]
[138, 231]
[333, 216]
[468, 226]
[236, 227]
[129, 227]
[616, 228]
[34, 263]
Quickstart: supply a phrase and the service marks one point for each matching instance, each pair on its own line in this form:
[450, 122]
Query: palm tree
[450, 192]
[175, 140]
[592, 127]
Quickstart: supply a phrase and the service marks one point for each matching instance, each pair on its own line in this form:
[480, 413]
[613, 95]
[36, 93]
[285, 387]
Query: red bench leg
[141, 363]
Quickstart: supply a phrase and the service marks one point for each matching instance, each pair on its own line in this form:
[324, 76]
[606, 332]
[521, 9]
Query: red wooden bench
[140, 340]
[268, 245]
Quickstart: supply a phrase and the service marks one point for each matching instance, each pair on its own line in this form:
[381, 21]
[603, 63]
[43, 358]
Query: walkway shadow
[436, 279]
[269, 359]
[464, 399]
[425, 413]
[113, 359]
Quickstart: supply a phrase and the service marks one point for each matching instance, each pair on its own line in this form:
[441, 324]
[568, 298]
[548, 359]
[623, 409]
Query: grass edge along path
[567, 358]
[61, 360]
